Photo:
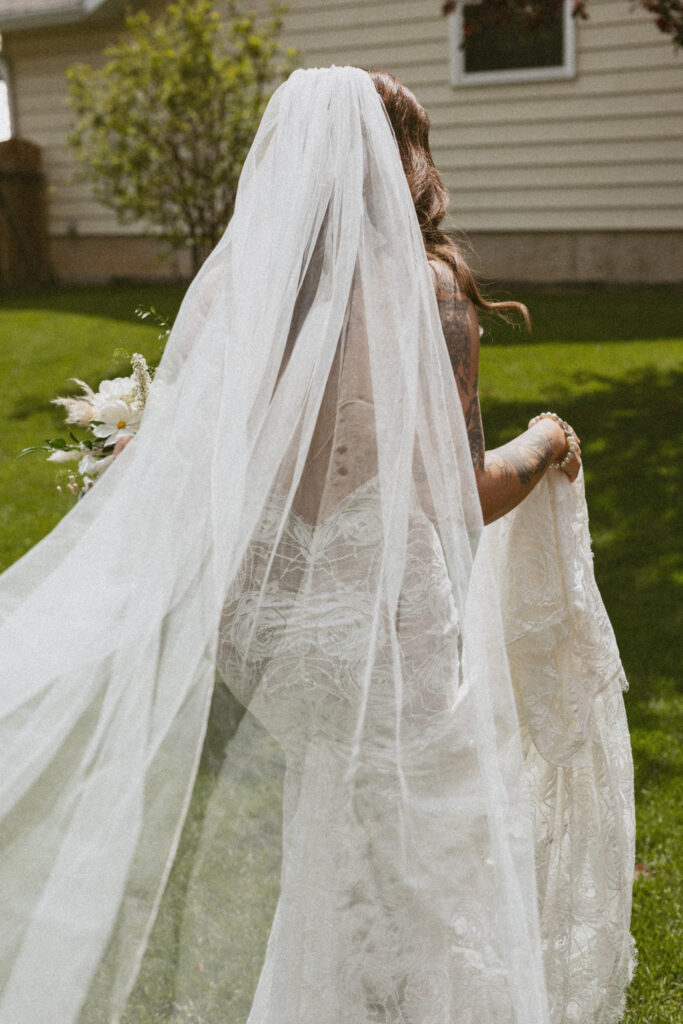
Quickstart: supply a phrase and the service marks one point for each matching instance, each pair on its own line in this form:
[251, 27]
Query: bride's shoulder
[445, 280]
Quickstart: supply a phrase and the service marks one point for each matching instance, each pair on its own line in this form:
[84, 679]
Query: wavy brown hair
[410, 122]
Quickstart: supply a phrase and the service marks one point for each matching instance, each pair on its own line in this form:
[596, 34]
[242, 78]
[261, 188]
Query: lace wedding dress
[298, 512]
[353, 939]
[568, 681]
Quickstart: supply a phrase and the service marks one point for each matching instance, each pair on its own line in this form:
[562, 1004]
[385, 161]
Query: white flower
[62, 456]
[118, 409]
[91, 464]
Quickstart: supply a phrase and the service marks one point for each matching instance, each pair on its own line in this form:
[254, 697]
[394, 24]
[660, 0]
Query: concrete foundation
[581, 257]
[96, 259]
[542, 257]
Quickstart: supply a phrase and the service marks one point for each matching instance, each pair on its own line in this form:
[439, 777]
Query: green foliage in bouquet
[163, 128]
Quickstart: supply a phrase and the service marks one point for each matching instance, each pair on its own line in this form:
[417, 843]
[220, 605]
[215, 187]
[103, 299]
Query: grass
[622, 389]
[45, 339]
[612, 364]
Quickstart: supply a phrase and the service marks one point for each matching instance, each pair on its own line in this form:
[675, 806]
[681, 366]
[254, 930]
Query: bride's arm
[507, 474]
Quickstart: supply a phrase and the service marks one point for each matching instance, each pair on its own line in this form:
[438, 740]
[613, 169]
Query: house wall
[38, 61]
[565, 180]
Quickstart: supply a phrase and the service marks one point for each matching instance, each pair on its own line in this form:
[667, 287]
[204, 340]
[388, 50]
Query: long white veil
[298, 512]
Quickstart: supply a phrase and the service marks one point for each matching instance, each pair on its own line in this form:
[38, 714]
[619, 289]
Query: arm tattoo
[456, 330]
[457, 325]
[475, 432]
[525, 459]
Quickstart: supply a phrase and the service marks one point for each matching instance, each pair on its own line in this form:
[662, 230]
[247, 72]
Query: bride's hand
[560, 435]
[120, 445]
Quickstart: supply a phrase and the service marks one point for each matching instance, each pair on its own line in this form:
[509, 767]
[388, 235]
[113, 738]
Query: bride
[300, 513]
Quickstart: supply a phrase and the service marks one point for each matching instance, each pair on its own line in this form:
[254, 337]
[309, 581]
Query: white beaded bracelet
[572, 445]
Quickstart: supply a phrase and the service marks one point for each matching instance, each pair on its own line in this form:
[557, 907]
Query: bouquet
[110, 414]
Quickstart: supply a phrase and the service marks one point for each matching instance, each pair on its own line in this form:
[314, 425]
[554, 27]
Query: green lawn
[610, 363]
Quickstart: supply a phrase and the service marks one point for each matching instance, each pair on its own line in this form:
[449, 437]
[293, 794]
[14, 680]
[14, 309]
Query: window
[494, 54]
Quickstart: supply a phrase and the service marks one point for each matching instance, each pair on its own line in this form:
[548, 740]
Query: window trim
[460, 77]
[5, 77]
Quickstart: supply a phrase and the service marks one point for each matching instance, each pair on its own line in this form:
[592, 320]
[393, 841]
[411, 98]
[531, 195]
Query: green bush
[163, 128]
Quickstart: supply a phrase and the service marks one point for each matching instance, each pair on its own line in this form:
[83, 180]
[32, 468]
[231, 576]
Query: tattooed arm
[513, 470]
[507, 474]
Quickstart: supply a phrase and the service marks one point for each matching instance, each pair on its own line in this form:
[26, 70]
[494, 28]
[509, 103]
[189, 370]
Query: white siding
[38, 62]
[602, 151]
[599, 152]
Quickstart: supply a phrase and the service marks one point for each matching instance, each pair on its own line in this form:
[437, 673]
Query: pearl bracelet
[572, 446]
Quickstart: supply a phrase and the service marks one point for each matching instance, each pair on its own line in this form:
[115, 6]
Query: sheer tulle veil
[298, 514]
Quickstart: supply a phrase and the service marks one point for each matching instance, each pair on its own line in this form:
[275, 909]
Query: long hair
[410, 122]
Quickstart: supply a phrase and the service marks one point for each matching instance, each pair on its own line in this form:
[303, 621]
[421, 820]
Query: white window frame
[5, 77]
[460, 77]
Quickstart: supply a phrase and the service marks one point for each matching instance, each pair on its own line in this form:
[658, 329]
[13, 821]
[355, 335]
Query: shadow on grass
[583, 314]
[116, 301]
[28, 405]
[579, 313]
